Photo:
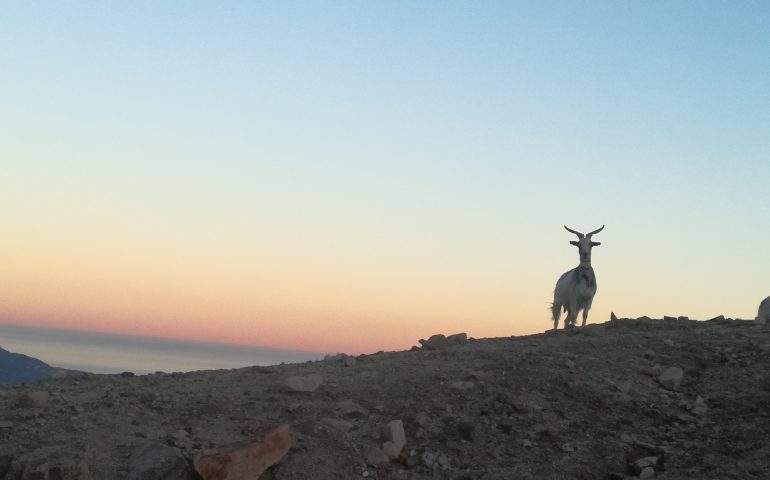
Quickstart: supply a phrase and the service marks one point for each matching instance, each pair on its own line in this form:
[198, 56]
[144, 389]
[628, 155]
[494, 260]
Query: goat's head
[584, 244]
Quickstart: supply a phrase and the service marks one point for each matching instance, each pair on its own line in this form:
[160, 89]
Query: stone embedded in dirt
[671, 379]
[156, 460]
[338, 424]
[669, 319]
[421, 419]
[428, 458]
[245, 458]
[375, 457]
[569, 364]
[699, 407]
[683, 319]
[349, 408]
[668, 342]
[350, 361]
[391, 450]
[649, 354]
[647, 472]
[645, 462]
[306, 383]
[395, 433]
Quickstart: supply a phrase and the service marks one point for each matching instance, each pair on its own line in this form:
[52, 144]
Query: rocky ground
[639, 398]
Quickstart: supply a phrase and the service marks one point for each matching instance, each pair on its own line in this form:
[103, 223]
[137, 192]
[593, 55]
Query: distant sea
[108, 353]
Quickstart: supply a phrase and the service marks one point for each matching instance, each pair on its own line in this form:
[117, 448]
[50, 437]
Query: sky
[353, 176]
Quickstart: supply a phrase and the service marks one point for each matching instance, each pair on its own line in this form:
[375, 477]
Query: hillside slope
[18, 368]
[599, 402]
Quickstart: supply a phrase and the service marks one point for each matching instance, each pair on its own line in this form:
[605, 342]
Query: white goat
[763, 313]
[575, 289]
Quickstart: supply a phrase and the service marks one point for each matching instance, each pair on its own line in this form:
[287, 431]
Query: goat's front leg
[585, 317]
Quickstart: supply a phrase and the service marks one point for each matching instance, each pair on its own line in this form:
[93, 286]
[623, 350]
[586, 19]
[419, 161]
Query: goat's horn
[580, 235]
[595, 231]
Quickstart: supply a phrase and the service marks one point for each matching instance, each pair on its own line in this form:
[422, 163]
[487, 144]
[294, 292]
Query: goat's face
[584, 244]
[584, 249]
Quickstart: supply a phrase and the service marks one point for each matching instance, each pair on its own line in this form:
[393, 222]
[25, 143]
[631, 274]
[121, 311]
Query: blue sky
[383, 143]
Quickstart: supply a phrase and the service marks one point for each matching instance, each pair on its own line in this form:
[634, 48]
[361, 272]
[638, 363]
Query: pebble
[671, 378]
[307, 383]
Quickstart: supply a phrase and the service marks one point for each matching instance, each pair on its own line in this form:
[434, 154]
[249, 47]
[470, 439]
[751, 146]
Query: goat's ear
[573, 242]
[595, 244]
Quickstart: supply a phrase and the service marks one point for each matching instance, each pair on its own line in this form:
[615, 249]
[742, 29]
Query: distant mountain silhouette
[19, 368]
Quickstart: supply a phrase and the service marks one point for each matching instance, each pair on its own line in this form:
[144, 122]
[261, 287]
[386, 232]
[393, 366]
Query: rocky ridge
[630, 398]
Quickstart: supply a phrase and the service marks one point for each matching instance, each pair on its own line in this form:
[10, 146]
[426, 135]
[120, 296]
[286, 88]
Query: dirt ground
[599, 402]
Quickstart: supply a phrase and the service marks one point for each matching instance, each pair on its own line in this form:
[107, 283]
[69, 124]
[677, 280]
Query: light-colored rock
[428, 458]
[671, 378]
[338, 424]
[647, 472]
[391, 450]
[645, 462]
[246, 458]
[649, 354]
[306, 383]
[350, 361]
[569, 364]
[434, 342]
[526, 443]
[350, 408]
[396, 434]
[668, 342]
[375, 457]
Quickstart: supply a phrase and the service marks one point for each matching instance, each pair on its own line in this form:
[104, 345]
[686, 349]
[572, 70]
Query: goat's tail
[555, 311]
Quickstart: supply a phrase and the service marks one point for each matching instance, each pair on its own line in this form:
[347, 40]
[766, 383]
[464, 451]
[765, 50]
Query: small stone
[569, 364]
[391, 449]
[626, 438]
[669, 319]
[671, 379]
[683, 319]
[649, 354]
[669, 342]
[699, 407]
[443, 460]
[350, 408]
[338, 424]
[375, 457]
[623, 387]
[350, 361]
[421, 419]
[645, 462]
[526, 443]
[567, 448]
[613, 318]
[647, 472]
[308, 383]
[246, 458]
[428, 458]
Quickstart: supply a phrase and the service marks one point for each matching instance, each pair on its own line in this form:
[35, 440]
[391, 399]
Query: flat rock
[305, 383]
[671, 378]
[245, 459]
[396, 434]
